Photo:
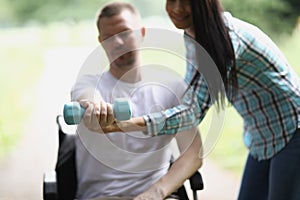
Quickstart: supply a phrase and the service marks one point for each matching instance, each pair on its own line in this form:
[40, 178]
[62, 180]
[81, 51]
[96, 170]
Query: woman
[258, 82]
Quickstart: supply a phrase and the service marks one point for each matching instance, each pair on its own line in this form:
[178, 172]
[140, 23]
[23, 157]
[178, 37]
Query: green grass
[229, 151]
[291, 49]
[21, 63]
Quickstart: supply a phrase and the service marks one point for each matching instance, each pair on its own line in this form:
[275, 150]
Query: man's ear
[143, 31]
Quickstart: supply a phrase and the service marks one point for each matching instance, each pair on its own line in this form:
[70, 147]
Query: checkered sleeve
[185, 116]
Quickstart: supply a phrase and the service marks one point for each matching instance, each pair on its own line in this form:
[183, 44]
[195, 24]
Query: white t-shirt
[125, 164]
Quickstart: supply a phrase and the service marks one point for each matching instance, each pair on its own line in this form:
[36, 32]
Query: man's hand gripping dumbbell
[100, 117]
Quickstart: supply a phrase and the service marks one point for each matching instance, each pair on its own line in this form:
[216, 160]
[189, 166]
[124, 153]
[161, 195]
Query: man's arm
[97, 110]
[85, 89]
[184, 167]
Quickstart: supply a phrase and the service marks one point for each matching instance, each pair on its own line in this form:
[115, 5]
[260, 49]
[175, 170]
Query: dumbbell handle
[73, 111]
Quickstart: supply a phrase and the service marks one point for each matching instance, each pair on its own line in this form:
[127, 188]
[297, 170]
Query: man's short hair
[115, 8]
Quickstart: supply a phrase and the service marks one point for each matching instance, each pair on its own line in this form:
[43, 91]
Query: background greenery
[28, 28]
[282, 13]
[21, 63]
[274, 17]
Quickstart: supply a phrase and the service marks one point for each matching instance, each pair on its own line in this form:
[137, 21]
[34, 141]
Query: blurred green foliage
[52, 10]
[18, 12]
[274, 17]
[21, 58]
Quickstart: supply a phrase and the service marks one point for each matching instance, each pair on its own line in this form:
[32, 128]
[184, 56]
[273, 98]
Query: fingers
[87, 117]
[110, 116]
[97, 115]
[106, 114]
[90, 118]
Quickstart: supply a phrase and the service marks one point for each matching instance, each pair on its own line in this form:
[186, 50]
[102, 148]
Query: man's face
[119, 38]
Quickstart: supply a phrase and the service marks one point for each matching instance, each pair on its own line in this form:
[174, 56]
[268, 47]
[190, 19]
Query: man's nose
[117, 41]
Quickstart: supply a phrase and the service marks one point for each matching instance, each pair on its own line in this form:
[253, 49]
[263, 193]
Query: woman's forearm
[183, 117]
[134, 124]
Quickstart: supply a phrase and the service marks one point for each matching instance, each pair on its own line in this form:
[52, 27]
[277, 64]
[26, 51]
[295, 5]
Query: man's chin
[121, 63]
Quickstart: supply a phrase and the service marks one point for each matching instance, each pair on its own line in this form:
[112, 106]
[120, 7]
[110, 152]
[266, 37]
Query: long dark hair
[212, 34]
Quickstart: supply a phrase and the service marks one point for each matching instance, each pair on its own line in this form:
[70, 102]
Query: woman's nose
[179, 5]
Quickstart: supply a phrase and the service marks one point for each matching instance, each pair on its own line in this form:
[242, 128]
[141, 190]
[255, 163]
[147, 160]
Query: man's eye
[125, 34]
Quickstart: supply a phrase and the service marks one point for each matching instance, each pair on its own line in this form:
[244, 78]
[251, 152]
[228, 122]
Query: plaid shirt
[268, 97]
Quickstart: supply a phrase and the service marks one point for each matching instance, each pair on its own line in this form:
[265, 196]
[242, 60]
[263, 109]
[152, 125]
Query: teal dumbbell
[73, 111]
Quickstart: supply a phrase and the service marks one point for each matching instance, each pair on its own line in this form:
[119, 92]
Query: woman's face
[180, 13]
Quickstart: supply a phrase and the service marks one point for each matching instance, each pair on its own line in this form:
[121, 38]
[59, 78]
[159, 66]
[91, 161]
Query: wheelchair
[61, 183]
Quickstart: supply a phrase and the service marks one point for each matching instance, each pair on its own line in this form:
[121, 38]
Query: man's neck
[130, 74]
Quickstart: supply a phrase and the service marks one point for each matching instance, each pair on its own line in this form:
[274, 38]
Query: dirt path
[22, 172]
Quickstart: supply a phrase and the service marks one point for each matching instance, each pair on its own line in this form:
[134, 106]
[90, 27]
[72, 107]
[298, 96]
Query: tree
[52, 10]
[22, 11]
[273, 17]
[295, 4]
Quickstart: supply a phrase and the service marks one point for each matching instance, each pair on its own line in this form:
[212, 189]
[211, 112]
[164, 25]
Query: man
[128, 164]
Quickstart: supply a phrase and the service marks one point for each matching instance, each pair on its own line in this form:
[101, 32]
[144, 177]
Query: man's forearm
[183, 168]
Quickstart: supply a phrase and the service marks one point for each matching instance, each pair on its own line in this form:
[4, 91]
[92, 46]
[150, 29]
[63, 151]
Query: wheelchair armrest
[196, 181]
[50, 186]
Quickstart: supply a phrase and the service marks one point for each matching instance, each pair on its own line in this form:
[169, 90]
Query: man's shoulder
[164, 75]
[166, 83]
